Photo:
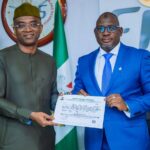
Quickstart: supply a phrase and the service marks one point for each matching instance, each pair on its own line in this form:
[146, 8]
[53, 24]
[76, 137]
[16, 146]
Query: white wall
[80, 23]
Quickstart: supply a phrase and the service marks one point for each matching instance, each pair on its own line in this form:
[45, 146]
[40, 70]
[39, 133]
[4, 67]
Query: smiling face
[106, 38]
[27, 30]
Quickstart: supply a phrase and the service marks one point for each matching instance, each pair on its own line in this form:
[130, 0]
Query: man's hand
[82, 92]
[42, 119]
[115, 100]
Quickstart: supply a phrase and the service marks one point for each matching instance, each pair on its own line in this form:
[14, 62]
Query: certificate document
[79, 110]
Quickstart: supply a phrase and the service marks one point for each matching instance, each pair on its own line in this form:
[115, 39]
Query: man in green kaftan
[27, 87]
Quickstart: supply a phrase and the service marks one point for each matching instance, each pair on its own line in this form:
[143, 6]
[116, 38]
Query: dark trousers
[105, 145]
[148, 120]
[93, 139]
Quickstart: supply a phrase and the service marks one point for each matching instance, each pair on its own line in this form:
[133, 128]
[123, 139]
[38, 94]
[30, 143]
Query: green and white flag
[66, 136]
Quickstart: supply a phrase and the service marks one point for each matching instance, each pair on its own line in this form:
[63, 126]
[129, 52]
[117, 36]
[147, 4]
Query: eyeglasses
[111, 28]
[32, 25]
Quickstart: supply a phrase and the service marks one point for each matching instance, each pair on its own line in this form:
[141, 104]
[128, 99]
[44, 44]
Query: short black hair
[107, 15]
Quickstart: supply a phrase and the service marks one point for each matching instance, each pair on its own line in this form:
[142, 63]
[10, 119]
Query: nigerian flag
[66, 136]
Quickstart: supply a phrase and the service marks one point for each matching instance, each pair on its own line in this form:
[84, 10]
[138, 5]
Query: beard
[28, 41]
[107, 48]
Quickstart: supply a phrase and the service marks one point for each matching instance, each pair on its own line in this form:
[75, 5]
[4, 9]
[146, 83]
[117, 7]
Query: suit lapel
[92, 62]
[118, 66]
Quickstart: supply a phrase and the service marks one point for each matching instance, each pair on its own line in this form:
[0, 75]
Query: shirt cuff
[127, 112]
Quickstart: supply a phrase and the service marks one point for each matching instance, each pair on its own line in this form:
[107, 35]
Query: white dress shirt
[100, 62]
[99, 66]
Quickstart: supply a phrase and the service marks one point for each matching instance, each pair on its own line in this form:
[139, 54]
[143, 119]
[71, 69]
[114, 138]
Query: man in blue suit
[126, 88]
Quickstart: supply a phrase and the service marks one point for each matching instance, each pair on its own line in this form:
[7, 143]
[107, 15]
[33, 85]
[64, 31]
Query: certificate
[78, 110]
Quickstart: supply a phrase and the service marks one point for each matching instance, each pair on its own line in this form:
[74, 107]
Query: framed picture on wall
[47, 11]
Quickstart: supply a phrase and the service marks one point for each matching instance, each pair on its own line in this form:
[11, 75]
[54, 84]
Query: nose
[106, 32]
[28, 28]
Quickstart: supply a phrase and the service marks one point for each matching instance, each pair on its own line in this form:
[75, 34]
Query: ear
[121, 31]
[14, 32]
[96, 33]
[41, 28]
[95, 30]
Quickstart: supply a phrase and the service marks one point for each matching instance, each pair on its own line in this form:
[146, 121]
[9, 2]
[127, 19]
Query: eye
[102, 28]
[20, 26]
[112, 28]
[35, 24]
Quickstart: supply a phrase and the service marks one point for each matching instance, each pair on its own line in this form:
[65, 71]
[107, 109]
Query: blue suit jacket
[130, 79]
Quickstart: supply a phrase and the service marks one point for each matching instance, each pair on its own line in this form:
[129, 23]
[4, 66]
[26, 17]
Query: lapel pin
[120, 68]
